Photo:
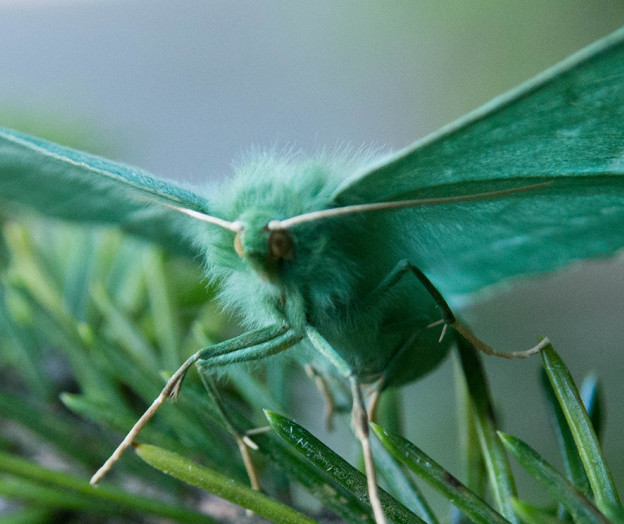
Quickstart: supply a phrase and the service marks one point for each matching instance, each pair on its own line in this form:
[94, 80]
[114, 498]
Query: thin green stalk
[163, 309]
[599, 475]
[59, 431]
[34, 515]
[502, 482]
[532, 515]
[438, 478]
[339, 469]
[401, 484]
[27, 470]
[552, 481]
[592, 396]
[567, 448]
[220, 485]
[474, 465]
[53, 497]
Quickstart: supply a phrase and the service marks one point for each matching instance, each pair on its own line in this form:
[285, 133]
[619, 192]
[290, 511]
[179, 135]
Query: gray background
[182, 88]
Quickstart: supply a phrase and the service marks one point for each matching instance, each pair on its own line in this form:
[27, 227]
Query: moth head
[265, 249]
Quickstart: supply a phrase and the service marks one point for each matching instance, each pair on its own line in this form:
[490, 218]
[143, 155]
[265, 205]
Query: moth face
[264, 250]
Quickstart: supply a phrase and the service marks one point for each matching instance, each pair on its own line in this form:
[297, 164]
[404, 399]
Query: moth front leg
[284, 339]
[252, 345]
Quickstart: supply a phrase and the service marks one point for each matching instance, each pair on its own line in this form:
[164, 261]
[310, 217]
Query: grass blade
[28, 516]
[119, 420]
[163, 308]
[593, 400]
[102, 494]
[220, 485]
[475, 470]
[53, 497]
[338, 468]
[333, 495]
[552, 481]
[24, 349]
[57, 430]
[532, 515]
[502, 482]
[437, 477]
[567, 448]
[600, 478]
[123, 329]
[400, 484]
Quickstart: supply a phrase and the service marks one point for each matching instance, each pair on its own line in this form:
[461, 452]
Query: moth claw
[175, 391]
[444, 328]
[258, 431]
[250, 443]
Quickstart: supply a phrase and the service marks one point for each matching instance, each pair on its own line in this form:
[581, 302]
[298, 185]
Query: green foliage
[220, 485]
[104, 340]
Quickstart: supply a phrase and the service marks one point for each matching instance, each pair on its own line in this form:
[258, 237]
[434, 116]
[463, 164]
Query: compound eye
[281, 246]
[238, 244]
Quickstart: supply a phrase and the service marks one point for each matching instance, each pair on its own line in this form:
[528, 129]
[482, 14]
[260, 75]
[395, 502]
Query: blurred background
[183, 88]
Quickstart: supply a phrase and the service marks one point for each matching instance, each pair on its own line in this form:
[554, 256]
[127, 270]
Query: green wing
[566, 127]
[68, 184]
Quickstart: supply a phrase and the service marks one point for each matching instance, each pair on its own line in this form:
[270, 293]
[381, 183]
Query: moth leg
[404, 267]
[243, 441]
[253, 345]
[373, 403]
[329, 404]
[358, 416]
[393, 366]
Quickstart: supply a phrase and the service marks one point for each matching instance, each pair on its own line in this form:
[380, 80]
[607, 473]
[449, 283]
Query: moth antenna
[235, 226]
[400, 204]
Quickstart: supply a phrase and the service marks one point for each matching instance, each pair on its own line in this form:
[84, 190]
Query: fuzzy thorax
[293, 275]
[322, 272]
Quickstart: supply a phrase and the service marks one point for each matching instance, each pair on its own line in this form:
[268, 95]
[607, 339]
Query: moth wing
[564, 127]
[72, 185]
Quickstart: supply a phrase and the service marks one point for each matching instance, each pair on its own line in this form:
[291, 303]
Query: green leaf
[339, 469]
[502, 482]
[163, 309]
[474, 465]
[54, 497]
[438, 478]
[24, 348]
[102, 494]
[125, 332]
[324, 487]
[567, 447]
[113, 417]
[28, 516]
[400, 484]
[532, 515]
[575, 502]
[218, 484]
[592, 396]
[58, 430]
[599, 475]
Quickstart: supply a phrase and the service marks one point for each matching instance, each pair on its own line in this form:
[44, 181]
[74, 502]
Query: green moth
[350, 259]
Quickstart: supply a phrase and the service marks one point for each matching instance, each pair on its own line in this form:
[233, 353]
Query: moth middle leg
[404, 267]
[359, 417]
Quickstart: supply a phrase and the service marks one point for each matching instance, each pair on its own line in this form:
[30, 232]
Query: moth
[353, 259]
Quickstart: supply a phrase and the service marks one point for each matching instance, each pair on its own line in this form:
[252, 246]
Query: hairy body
[330, 277]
